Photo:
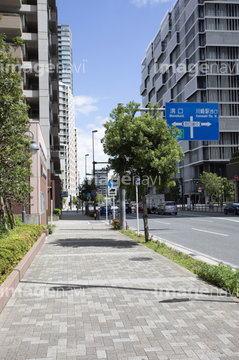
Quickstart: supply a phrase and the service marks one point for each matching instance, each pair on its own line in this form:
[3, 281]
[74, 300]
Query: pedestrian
[210, 205]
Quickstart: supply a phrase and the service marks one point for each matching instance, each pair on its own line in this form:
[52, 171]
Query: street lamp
[221, 200]
[34, 148]
[86, 164]
[93, 132]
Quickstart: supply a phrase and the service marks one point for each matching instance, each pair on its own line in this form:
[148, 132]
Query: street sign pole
[106, 209]
[137, 209]
[113, 207]
[137, 182]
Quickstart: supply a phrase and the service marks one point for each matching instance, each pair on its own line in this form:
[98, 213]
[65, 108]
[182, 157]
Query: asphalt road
[215, 236]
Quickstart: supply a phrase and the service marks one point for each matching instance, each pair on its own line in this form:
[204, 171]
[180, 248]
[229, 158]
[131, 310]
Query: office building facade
[194, 58]
[35, 21]
[68, 133]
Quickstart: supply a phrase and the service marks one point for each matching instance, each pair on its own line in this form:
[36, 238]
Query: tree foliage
[216, 186]
[141, 146]
[14, 123]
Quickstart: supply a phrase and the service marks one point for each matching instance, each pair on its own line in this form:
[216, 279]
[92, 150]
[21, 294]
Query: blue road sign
[93, 192]
[88, 195]
[111, 184]
[200, 121]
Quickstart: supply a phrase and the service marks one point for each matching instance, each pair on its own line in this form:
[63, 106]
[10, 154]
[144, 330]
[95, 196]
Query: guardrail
[204, 208]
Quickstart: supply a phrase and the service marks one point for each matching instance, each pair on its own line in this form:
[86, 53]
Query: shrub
[116, 224]
[222, 276]
[14, 244]
[57, 212]
[50, 228]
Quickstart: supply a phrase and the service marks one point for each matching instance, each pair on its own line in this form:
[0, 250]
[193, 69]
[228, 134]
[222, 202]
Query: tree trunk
[8, 214]
[145, 215]
[3, 213]
[13, 217]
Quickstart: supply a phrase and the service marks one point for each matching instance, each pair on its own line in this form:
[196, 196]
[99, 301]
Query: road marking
[227, 219]
[202, 220]
[161, 222]
[210, 232]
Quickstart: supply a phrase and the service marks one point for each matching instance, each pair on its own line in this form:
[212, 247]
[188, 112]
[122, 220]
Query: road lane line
[161, 222]
[210, 232]
[203, 220]
[227, 219]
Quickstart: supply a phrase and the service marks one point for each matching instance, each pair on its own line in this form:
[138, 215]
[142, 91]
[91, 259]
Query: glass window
[210, 24]
[222, 24]
[213, 95]
[210, 10]
[212, 81]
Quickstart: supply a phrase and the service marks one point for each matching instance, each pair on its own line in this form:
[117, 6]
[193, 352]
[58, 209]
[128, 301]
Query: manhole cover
[140, 259]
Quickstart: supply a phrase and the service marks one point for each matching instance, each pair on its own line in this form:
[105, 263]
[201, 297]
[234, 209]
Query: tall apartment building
[68, 133]
[36, 22]
[65, 55]
[194, 58]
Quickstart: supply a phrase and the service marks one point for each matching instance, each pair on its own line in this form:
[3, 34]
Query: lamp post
[34, 148]
[93, 132]
[86, 164]
[221, 200]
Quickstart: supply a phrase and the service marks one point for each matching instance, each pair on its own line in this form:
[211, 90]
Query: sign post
[137, 183]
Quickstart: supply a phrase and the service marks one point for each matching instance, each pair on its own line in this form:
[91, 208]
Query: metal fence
[204, 208]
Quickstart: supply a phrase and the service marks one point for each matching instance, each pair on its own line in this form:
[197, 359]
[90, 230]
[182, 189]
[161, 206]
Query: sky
[110, 38]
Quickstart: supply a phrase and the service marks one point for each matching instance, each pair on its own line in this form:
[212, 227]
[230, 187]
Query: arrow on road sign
[192, 124]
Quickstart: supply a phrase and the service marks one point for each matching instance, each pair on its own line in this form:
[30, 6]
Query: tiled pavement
[92, 293]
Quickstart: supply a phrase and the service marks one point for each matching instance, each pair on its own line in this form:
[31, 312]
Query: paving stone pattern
[91, 293]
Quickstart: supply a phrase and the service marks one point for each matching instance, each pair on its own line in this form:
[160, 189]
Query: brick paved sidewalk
[92, 293]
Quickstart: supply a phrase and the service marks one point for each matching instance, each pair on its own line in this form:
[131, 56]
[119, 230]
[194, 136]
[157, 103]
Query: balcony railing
[11, 25]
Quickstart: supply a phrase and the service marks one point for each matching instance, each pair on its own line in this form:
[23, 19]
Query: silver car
[168, 207]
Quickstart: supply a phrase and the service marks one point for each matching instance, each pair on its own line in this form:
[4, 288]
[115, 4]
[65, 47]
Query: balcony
[11, 25]
[17, 52]
[32, 94]
[142, 88]
[11, 4]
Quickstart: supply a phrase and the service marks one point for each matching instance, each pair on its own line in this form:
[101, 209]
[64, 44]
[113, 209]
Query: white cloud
[85, 104]
[141, 3]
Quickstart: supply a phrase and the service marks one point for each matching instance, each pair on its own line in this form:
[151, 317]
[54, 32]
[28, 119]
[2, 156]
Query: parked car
[103, 210]
[168, 207]
[128, 208]
[231, 208]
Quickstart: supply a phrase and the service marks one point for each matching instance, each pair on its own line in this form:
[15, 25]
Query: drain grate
[140, 259]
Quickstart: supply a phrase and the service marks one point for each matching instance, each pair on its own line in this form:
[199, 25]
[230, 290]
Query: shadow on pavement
[68, 287]
[76, 243]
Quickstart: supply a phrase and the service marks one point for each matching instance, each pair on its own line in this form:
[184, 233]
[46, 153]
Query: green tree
[228, 189]
[174, 192]
[216, 186]
[15, 151]
[141, 146]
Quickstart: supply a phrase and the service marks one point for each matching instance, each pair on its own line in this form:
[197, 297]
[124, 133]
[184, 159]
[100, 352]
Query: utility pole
[93, 132]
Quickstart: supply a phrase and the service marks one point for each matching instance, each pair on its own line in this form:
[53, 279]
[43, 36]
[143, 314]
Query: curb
[9, 285]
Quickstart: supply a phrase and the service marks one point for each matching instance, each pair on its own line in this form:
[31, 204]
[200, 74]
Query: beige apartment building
[35, 21]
